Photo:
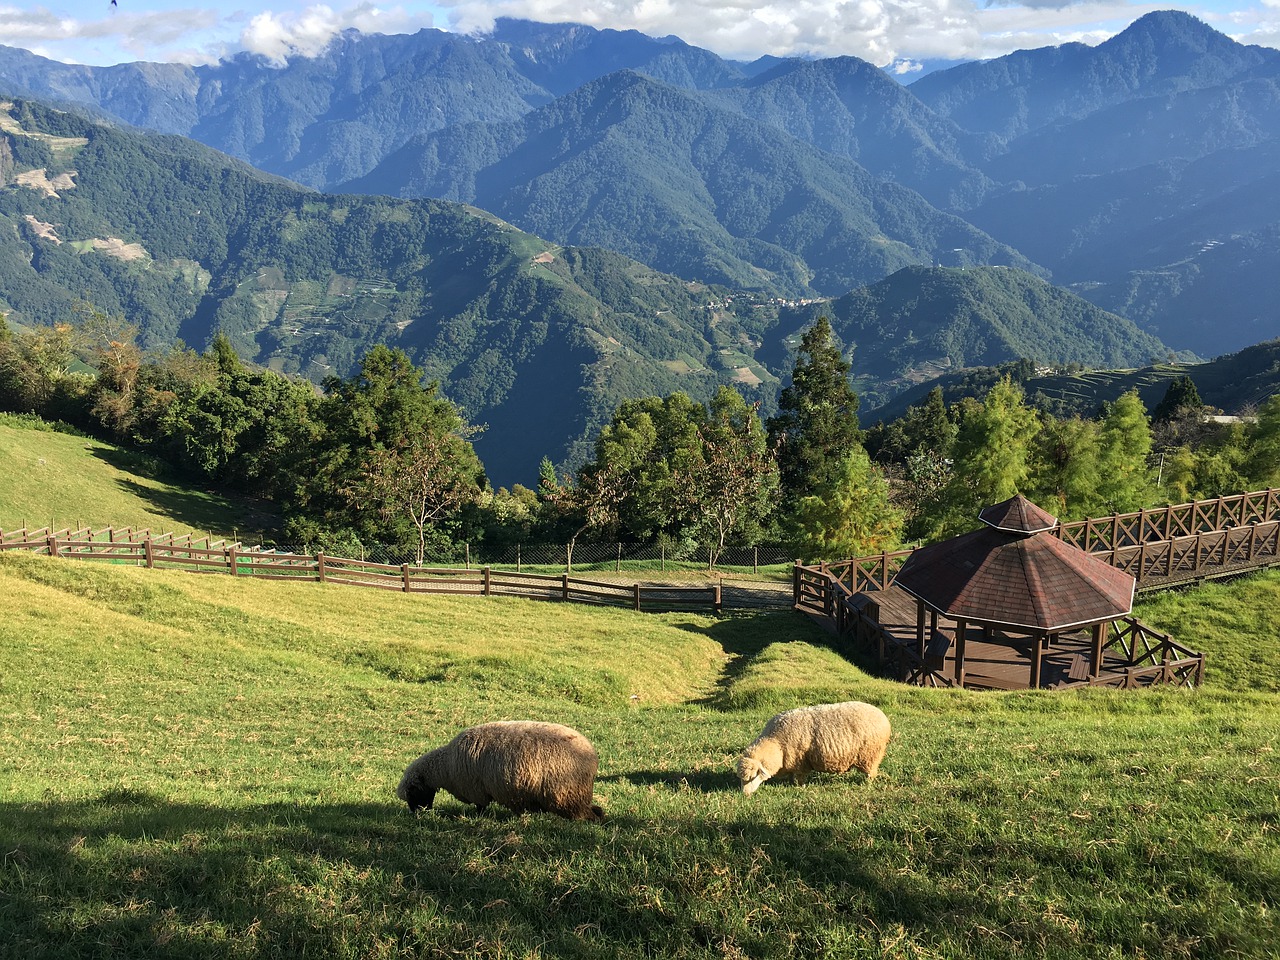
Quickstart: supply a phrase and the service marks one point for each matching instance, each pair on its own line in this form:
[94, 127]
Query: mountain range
[641, 206]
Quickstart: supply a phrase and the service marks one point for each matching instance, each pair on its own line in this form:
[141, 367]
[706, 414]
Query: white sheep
[525, 765]
[828, 738]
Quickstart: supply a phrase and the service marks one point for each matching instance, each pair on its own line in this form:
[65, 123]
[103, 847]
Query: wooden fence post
[488, 588]
[637, 596]
[320, 566]
[795, 584]
[404, 572]
[146, 549]
[231, 560]
[53, 547]
[564, 586]
[715, 598]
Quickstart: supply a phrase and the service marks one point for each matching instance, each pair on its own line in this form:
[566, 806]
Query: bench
[935, 655]
[1078, 668]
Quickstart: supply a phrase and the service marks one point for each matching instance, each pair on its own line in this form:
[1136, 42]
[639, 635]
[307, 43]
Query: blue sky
[891, 33]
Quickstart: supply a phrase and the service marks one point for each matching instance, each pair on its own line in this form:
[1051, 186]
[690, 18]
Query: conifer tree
[991, 457]
[851, 516]
[1124, 476]
[816, 425]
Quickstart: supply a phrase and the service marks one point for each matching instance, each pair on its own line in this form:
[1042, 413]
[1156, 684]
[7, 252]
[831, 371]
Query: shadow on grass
[129, 874]
[745, 636]
[195, 509]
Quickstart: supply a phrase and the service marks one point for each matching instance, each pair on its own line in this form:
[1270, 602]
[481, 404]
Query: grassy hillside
[204, 767]
[57, 479]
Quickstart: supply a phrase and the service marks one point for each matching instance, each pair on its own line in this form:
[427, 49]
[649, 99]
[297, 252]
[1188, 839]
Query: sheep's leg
[800, 777]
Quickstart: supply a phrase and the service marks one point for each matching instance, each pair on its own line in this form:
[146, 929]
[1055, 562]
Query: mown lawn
[201, 766]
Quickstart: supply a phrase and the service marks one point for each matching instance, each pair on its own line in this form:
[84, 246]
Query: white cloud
[882, 31]
[145, 35]
[307, 33]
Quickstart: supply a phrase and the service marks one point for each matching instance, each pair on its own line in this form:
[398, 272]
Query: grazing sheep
[524, 765]
[829, 738]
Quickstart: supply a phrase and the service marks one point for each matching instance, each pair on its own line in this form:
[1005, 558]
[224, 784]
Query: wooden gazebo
[1014, 585]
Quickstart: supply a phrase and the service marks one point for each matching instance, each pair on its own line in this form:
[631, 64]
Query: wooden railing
[167, 551]
[1101, 534]
[874, 572]
[1153, 658]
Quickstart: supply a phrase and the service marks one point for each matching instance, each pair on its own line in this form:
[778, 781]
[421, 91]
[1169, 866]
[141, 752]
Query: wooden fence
[205, 555]
[1101, 534]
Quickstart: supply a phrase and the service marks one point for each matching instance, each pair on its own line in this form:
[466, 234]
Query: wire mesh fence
[650, 560]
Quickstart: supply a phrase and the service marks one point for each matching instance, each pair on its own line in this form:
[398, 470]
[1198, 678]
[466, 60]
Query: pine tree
[816, 425]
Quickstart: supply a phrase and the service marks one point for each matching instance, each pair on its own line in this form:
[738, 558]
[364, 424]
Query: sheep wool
[828, 738]
[524, 765]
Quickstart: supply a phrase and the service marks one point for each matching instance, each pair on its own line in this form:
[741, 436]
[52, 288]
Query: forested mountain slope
[699, 191]
[536, 341]
[921, 323]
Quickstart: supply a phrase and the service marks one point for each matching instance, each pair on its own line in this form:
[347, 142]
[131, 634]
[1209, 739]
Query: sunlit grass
[55, 479]
[203, 766]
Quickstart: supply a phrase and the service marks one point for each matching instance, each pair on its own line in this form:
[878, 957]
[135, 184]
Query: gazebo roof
[1018, 515]
[1011, 576]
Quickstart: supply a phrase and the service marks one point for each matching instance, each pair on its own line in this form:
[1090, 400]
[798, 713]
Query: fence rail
[1101, 534]
[183, 553]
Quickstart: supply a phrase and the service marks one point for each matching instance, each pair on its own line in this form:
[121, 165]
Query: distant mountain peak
[1172, 27]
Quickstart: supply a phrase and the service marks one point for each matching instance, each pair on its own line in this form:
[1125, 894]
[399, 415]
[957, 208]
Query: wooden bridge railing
[182, 553]
[1101, 534]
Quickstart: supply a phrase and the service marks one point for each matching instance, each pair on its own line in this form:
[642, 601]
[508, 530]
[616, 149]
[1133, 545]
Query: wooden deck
[996, 660]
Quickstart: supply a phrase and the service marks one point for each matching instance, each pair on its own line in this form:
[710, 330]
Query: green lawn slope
[61, 480]
[202, 766]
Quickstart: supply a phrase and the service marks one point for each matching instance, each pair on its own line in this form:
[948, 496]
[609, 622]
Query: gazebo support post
[920, 628]
[1038, 643]
[1099, 634]
[961, 629]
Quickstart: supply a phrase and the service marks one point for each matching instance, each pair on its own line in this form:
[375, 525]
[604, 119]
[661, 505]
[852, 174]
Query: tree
[991, 458]
[1180, 396]
[426, 477]
[734, 479]
[389, 459]
[1262, 465]
[852, 515]
[817, 423]
[1065, 466]
[1124, 476]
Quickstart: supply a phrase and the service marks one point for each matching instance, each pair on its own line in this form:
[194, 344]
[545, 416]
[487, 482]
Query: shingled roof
[1015, 575]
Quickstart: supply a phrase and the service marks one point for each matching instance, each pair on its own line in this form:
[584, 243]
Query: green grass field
[56, 479]
[201, 766]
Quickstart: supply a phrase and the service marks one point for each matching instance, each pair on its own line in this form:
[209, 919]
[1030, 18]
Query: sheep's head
[417, 795]
[414, 788]
[751, 773]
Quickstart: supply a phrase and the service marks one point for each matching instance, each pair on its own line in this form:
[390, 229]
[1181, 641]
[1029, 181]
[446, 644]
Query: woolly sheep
[525, 765]
[828, 738]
